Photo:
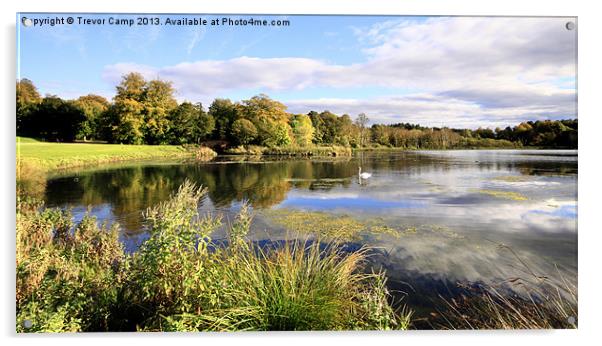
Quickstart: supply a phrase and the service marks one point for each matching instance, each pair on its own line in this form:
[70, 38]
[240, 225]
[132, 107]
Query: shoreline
[43, 155]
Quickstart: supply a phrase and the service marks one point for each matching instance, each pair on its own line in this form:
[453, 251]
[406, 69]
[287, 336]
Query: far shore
[51, 156]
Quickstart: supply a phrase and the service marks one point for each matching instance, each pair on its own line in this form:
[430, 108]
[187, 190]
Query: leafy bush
[68, 278]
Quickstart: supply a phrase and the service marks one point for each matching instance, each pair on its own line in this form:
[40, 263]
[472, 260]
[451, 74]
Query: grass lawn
[49, 156]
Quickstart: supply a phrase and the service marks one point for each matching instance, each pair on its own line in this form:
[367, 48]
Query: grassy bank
[78, 277]
[50, 156]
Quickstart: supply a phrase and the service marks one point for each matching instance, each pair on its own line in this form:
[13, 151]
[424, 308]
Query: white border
[590, 100]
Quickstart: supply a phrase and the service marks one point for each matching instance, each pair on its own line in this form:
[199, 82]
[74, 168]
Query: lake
[435, 217]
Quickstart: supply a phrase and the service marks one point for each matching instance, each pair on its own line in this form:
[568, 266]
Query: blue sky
[463, 72]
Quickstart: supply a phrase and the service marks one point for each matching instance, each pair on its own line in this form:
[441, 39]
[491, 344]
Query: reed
[533, 301]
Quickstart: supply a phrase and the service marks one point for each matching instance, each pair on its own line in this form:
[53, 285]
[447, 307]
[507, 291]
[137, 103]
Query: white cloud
[210, 77]
[197, 35]
[432, 110]
[489, 70]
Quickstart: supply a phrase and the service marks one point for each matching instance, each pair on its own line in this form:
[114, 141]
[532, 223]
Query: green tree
[343, 130]
[28, 98]
[280, 135]
[183, 119]
[318, 125]
[303, 130]
[205, 124]
[158, 101]
[55, 120]
[131, 87]
[224, 113]
[126, 122]
[524, 133]
[270, 118]
[484, 133]
[362, 121]
[328, 126]
[381, 134]
[244, 131]
[93, 106]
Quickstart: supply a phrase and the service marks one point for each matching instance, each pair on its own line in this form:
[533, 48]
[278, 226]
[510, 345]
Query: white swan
[364, 175]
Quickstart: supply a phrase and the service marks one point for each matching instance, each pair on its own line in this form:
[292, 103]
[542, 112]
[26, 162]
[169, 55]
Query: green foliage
[294, 151]
[126, 121]
[131, 87]
[263, 106]
[78, 277]
[93, 106]
[158, 101]
[270, 120]
[244, 131]
[205, 124]
[546, 133]
[183, 124]
[225, 113]
[480, 143]
[140, 113]
[27, 93]
[189, 124]
[27, 99]
[53, 119]
[303, 130]
[68, 278]
[167, 271]
[324, 126]
[291, 151]
[278, 134]
[146, 112]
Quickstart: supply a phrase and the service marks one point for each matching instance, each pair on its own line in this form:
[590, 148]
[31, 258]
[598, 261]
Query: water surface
[437, 217]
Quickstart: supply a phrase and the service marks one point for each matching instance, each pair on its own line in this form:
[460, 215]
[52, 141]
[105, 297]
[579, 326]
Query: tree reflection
[130, 190]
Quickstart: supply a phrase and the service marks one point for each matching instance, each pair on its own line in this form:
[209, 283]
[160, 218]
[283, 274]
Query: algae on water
[511, 178]
[347, 228]
[512, 195]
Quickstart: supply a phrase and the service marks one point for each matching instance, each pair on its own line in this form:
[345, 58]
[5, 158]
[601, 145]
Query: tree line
[146, 112]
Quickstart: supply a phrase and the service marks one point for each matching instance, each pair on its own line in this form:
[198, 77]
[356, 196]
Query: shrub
[68, 278]
[201, 152]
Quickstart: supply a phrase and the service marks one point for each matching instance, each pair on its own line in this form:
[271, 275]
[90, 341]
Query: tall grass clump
[189, 284]
[31, 180]
[303, 286]
[77, 277]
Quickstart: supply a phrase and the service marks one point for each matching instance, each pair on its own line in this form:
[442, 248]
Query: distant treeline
[146, 112]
